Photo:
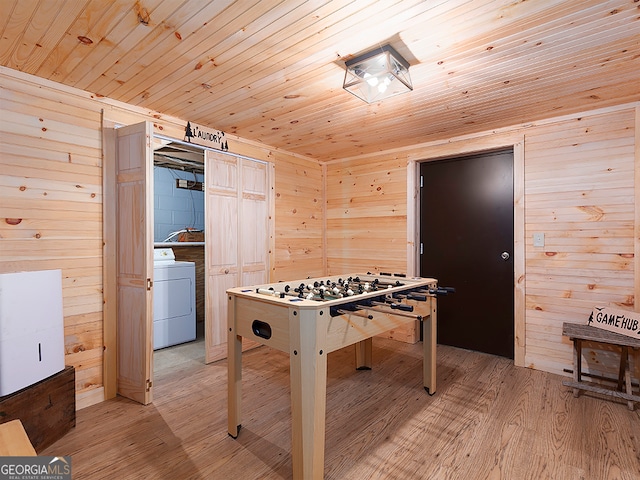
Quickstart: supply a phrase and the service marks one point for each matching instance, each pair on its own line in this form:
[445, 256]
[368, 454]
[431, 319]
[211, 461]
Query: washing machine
[174, 299]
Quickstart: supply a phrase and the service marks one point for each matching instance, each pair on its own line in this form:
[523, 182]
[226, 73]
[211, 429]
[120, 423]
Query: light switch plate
[538, 239]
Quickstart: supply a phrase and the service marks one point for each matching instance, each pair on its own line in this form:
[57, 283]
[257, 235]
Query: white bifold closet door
[238, 234]
[134, 225]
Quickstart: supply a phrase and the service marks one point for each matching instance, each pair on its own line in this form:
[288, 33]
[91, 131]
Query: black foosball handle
[401, 306]
[417, 296]
[442, 290]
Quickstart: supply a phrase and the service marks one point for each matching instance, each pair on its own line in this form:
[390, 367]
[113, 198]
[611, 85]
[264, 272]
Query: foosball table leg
[308, 377]
[429, 342]
[234, 372]
[364, 355]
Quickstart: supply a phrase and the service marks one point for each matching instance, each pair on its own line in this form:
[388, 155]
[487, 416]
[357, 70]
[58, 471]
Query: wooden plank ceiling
[272, 71]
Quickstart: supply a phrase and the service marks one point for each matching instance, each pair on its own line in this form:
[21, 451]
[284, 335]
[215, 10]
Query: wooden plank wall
[51, 179]
[367, 215]
[51, 186]
[299, 220]
[579, 191]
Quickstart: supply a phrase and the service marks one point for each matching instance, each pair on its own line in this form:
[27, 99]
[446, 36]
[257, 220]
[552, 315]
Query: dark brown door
[466, 230]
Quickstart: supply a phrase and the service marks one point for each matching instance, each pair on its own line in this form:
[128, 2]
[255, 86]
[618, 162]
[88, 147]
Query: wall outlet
[538, 239]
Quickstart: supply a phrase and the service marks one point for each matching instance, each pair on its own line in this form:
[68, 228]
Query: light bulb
[371, 80]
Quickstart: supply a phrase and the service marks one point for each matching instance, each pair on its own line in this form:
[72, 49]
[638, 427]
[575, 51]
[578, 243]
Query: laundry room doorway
[179, 245]
[238, 247]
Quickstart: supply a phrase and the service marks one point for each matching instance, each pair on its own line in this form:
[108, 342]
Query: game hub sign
[618, 321]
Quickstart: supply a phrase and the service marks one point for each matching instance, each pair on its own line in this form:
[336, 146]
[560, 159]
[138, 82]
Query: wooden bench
[579, 333]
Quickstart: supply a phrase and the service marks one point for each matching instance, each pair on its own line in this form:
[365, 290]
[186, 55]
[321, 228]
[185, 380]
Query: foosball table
[311, 318]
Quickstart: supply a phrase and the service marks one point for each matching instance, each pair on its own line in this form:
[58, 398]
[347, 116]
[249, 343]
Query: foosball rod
[375, 281]
[357, 281]
[418, 297]
[356, 313]
[275, 293]
[320, 292]
[393, 306]
[311, 295]
[400, 314]
[432, 292]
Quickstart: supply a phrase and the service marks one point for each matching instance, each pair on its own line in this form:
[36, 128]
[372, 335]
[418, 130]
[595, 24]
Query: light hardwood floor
[487, 420]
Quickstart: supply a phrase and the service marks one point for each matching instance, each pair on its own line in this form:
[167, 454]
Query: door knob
[505, 256]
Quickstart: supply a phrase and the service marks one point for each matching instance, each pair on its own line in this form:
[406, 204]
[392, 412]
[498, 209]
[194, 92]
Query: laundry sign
[205, 137]
[615, 320]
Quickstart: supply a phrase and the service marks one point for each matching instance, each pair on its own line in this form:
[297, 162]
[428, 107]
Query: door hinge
[149, 283]
[149, 384]
[421, 181]
[421, 248]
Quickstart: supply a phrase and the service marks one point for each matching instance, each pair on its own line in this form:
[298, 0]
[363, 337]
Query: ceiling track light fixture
[378, 74]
